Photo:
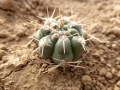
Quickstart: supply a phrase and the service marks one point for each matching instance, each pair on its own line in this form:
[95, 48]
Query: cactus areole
[60, 39]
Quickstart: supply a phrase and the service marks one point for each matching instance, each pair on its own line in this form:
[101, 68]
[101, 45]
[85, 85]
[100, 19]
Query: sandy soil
[20, 68]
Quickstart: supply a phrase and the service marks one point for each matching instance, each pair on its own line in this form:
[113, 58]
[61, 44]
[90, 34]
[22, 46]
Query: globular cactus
[60, 39]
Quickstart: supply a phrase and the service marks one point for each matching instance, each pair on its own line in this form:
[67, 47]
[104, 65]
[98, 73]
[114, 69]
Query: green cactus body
[37, 36]
[44, 31]
[81, 32]
[46, 47]
[66, 27]
[62, 50]
[78, 28]
[62, 41]
[73, 32]
[55, 25]
[55, 37]
[76, 47]
[41, 33]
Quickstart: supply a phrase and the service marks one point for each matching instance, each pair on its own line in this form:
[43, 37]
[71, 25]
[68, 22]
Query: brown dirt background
[20, 68]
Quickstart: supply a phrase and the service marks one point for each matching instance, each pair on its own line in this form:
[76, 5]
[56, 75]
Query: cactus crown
[60, 39]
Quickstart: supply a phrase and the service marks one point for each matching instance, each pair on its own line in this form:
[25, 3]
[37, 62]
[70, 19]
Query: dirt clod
[87, 82]
[103, 71]
[118, 74]
[3, 34]
[2, 46]
[2, 53]
[109, 75]
[2, 20]
[118, 59]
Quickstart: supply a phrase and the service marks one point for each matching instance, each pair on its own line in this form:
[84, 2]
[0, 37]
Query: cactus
[60, 39]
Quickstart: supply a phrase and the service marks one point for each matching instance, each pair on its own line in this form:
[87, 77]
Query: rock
[44, 65]
[116, 88]
[102, 60]
[118, 74]
[2, 46]
[97, 54]
[33, 12]
[116, 31]
[118, 83]
[3, 34]
[87, 82]
[109, 65]
[12, 37]
[86, 78]
[100, 85]
[2, 21]
[2, 53]
[103, 71]
[113, 71]
[117, 62]
[109, 75]
[118, 59]
[114, 46]
[97, 88]
[118, 67]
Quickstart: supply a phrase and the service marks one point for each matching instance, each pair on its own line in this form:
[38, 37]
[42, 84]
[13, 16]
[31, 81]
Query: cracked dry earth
[20, 68]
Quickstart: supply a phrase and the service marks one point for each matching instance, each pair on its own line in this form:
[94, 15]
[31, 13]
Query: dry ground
[20, 68]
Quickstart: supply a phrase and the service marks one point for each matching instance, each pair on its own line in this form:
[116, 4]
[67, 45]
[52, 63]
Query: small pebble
[20, 33]
[97, 54]
[23, 10]
[99, 84]
[44, 65]
[86, 78]
[102, 60]
[4, 60]
[33, 12]
[12, 37]
[109, 75]
[4, 34]
[118, 83]
[116, 88]
[87, 81]
[103, 71]
[116, 31]
[97, 88]
[2, 46]
[117, 62]
[118, 74]
[40, 14]
[113, 71]
[109, 65]
[118, 67]
[118, 59]
[2, 21]
[114, 46]
[2, 53]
